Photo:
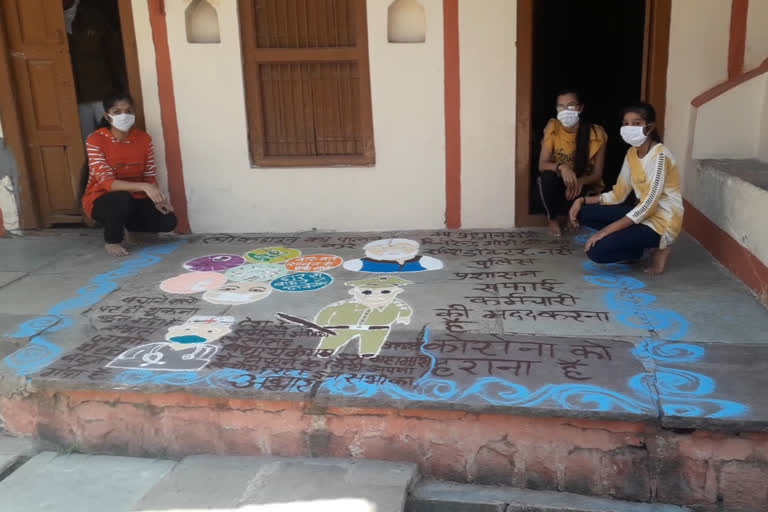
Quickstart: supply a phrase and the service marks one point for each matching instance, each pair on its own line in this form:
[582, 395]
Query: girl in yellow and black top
[656, 220]
[572, 158]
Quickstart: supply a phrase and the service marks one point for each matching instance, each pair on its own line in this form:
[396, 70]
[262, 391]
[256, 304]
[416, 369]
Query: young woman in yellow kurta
[649, 169]
[571, 160]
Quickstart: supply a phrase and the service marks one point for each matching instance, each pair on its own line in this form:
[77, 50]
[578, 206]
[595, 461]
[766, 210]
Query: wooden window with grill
[307, 82]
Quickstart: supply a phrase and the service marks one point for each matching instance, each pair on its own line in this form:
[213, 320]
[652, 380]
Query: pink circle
[214, 263]
[193, 282]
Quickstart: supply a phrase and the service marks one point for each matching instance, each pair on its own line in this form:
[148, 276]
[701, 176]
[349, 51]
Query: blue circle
[302, 282]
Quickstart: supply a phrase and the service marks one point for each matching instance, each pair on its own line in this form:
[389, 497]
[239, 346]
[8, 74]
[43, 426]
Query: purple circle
[214, 263]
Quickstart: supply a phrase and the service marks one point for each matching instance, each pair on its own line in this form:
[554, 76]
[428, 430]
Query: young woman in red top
[122, 193]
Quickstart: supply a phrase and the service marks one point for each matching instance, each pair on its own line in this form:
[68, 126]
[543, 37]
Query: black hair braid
[583, 136]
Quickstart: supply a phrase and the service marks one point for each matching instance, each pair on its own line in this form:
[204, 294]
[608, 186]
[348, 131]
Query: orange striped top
[132, 159]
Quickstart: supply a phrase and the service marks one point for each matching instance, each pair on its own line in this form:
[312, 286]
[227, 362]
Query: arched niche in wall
[406, 22]
[202, 22]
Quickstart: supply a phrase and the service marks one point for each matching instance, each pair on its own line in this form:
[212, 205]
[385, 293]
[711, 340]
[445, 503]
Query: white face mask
[633, 135]
[568, 118]
[123, 122]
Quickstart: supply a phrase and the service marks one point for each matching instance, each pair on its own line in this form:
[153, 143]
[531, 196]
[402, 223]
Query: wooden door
[658, 14]
[41, 75]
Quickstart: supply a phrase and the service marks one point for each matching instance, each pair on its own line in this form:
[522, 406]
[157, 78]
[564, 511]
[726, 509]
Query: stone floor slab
[434, 496]
[28, 254]
[524, 375]
[206, 482]
[724, 382]
[14, 450]
[82, 483]
[38, 293]
[713, 315]
[9, 277]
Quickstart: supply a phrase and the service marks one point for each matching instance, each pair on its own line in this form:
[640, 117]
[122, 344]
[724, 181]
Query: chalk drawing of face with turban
[234, 294]
[393, 255]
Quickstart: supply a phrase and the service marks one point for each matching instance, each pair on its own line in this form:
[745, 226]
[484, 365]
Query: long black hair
[648, 113]
[108, 103]
[583, 135]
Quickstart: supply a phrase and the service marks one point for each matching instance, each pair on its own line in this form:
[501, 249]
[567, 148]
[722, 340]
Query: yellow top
[562, 144]
[655, 180]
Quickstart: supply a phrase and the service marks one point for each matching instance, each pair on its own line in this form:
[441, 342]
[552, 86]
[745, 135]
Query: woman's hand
[569, 177]
[594, 239]
[573, 192]
[165, 207]
[574, 213]
[154, 193]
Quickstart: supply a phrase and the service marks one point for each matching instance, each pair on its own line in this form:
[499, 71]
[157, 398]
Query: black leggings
[117, 211]
[552, 192]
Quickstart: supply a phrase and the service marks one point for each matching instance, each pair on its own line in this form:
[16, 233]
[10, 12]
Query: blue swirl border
[40, 352]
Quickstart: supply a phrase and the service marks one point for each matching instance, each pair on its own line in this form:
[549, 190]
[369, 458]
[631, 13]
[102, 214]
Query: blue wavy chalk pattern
[40, 352]
[683, 392]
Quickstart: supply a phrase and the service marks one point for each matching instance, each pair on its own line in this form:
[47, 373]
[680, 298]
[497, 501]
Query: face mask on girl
[568, 118]
[633, 135]
[122, 122]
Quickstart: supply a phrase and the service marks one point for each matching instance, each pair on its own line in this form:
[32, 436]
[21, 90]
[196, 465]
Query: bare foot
[554, 228]
[115, 250]
[658, 261]
[128, 238]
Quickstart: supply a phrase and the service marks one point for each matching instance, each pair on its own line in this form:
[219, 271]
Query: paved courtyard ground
[504, 321]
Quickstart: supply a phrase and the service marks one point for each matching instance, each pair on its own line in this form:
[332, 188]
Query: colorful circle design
[314, 263]
[302, 282]
[255, 272]
[193, 282]
[214, 263]
[272, 255]
[235, 294]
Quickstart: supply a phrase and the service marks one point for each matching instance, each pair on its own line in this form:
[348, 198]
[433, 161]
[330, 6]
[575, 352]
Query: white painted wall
[730, 125]
[698, 60]
[150, 98]
[762, 145]
[406, 187]
[737, 207]
[757, 34]
[488, 31]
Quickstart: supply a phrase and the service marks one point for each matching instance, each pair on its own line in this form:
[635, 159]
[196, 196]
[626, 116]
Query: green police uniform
[351, 319]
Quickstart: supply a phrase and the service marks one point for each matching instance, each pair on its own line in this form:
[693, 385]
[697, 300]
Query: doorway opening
[595, 47]
[613, 52]
[97, 56]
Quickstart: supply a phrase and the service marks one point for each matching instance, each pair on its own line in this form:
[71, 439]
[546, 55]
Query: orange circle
[313, 263]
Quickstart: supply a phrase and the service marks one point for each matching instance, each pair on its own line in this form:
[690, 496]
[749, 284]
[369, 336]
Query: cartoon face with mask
[198, 330]
[187, 347]
[234, 294]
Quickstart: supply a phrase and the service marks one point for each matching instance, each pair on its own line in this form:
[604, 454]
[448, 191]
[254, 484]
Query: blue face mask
[188, 339]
